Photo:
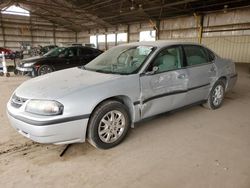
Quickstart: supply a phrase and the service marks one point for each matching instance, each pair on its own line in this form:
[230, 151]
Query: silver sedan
[102, 100]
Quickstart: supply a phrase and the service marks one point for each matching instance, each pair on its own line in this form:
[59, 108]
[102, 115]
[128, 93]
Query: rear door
[166, 88]
[200, 71]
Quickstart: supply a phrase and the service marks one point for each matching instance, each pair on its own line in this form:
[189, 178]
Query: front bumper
[24, 69]
[58, 133]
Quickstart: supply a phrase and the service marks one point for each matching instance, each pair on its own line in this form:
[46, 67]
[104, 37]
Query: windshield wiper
[84, 68]
[105, 72]
[102, 71]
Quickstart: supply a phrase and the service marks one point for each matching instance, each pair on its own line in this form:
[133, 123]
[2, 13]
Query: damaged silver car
[100, 101]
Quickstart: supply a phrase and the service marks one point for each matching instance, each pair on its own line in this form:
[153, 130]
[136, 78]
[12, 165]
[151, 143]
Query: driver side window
[72, 52]
[167, 60]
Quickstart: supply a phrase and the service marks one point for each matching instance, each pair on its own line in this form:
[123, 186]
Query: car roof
[78, 47]
[160, 43]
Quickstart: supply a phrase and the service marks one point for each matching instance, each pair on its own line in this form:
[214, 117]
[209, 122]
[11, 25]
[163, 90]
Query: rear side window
[96, 51]
[195, 55]
[72, 52]
[85, 51]
[211, 55]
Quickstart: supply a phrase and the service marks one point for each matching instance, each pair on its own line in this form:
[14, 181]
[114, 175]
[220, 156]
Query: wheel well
[47, 65]
[124, 100]
[224, 79]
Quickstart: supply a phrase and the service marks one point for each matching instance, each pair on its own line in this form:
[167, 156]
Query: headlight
[28, 64]
[44, 107]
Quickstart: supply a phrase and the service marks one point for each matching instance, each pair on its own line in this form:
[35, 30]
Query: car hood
[61, 83]
[31, 59]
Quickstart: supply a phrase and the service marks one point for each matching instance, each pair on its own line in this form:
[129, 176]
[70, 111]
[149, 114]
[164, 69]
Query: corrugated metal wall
[15, 30]
[236, 48]
[226, 33]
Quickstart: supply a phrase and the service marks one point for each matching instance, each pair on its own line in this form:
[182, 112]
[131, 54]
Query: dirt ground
[191, 148]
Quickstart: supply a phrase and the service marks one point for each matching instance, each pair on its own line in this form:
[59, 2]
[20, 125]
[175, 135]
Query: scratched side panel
[162, 92]
[199, 78]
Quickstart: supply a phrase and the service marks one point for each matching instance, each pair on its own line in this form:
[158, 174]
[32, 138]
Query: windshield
[55, 52]
[121, 60]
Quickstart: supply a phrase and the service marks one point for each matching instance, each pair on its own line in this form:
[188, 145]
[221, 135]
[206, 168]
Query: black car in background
[58, 59]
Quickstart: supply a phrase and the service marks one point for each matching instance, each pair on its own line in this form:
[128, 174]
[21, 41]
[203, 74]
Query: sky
[15, 10]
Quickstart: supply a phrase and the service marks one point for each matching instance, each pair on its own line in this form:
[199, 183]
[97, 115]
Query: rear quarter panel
[225, 68]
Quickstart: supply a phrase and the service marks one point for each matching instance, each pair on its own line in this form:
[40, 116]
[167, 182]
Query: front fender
[84, 101]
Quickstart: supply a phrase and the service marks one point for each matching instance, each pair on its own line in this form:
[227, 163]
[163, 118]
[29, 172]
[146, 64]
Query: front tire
[44, 69]
[15, 71]
[108, 125]
[216, 96]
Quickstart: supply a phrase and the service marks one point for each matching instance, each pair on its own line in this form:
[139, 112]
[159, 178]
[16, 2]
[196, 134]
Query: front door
[71, 58]
[164, 85]
[66, 59]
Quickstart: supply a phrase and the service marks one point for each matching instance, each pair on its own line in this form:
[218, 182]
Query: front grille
[17, 102]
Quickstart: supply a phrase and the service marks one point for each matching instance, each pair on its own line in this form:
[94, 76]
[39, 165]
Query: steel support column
[3, 31]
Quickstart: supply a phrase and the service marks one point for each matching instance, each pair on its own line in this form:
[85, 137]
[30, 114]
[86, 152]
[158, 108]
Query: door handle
[181, 76]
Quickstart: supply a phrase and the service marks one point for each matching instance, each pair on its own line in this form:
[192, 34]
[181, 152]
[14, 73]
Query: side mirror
[154, 70]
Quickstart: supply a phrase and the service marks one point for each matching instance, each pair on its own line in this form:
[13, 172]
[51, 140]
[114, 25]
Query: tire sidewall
[95, 121]
[39, 70]
[219, 82]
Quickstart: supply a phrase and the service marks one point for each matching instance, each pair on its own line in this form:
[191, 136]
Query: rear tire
[216, 96]
[108, 125]
[44, 69]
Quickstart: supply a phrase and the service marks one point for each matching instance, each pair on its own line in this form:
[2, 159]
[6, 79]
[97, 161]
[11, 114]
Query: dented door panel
[162, 92]
[199, 83]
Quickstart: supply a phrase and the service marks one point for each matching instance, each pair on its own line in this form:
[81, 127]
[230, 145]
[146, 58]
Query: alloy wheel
[111, 126]
[217, 96]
